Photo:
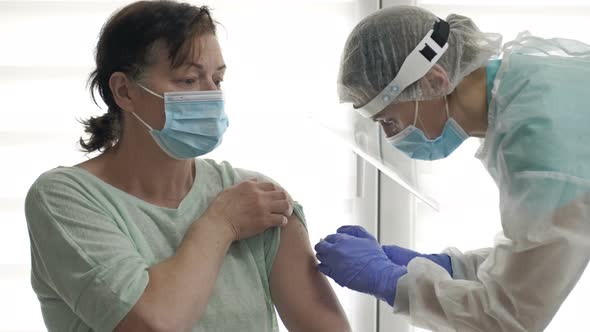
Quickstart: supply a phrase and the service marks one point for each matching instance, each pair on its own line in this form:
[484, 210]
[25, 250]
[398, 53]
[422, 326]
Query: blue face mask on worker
[195, 123]
[416, 145]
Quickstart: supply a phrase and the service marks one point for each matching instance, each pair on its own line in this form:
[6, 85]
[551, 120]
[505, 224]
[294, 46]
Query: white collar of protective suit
[415, 66]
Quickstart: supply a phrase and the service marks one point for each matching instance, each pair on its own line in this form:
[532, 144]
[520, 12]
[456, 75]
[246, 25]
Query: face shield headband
[415, 66]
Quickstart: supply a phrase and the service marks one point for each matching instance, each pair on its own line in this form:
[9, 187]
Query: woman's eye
[189, 81]
[218, 83]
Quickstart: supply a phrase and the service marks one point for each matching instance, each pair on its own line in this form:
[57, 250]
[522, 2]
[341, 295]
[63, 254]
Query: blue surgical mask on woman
[416, 145]
[195, 123]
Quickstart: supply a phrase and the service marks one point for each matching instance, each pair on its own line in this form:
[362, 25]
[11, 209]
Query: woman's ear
[120, 88]
[435, 82]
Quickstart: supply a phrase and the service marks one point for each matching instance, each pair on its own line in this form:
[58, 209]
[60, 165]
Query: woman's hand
[250, 207]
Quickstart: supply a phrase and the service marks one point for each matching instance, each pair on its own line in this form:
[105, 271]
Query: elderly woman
[432, 83]
[146, 237]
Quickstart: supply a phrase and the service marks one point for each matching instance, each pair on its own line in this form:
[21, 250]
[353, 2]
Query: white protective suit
[537, 149]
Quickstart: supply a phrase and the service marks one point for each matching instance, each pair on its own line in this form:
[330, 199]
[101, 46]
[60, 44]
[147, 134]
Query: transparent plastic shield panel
[362, 136]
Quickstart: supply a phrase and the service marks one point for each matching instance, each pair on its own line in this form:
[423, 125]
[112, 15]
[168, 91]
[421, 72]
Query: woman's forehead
[202, 52]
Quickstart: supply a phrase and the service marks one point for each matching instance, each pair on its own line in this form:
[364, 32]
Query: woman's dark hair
[125, 45]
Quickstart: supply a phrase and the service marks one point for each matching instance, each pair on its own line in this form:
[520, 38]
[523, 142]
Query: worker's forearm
[180, 287]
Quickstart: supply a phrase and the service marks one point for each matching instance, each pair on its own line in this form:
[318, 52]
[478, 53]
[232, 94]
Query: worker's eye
[397, 126]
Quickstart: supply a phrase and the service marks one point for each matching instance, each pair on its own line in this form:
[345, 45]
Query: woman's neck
[160, 181]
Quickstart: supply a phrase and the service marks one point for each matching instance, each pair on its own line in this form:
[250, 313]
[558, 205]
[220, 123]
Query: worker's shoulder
[539, 119]
[546, 144]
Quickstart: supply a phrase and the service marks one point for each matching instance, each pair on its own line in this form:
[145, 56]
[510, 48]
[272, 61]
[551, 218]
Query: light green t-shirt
[92, 245]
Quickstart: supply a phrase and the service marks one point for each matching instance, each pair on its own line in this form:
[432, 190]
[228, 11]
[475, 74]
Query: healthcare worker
[432, 83]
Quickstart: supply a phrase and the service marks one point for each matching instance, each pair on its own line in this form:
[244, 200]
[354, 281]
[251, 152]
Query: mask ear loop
[447, 107]
[140, 120]
[150, 91]
[153, 93]
[415, 113]
[416, 119]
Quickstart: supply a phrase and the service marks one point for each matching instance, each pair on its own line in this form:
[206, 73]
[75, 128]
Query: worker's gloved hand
[403, 256]
[359, 263]
[399, 255]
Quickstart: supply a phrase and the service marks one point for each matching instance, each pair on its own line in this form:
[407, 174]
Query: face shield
[365, 136]
[396, 56]
[366, 140]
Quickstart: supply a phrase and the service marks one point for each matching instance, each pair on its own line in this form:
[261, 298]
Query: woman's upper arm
[303, 297]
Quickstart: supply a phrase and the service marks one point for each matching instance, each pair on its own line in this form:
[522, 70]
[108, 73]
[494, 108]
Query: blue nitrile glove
[399, 255]
[359, 264]
[403, 256]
